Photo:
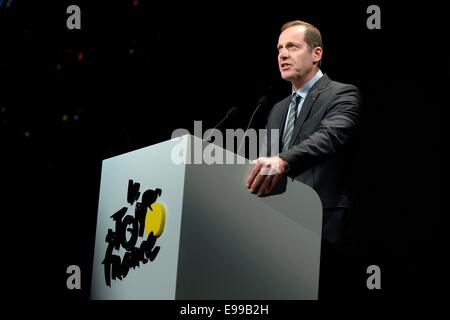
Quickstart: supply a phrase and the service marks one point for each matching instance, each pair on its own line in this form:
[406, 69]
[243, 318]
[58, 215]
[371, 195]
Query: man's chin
[288, 76]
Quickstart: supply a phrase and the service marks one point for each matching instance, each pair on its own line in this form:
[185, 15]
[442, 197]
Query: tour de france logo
[128, 247]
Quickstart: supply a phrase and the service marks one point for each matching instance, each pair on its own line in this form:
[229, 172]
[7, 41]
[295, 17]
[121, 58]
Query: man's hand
[265, 174]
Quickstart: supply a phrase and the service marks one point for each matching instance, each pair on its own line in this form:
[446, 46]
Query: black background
[70, 98]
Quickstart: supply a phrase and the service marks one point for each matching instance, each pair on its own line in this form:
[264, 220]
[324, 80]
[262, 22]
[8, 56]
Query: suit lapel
[307, 105]
[283, 118]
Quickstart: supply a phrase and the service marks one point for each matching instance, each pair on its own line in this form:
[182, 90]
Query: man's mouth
[285, 66]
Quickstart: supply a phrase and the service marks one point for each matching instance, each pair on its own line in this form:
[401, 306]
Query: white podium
[170, 230]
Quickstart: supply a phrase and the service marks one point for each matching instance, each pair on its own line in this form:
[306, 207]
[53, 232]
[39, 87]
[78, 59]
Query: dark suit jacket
[321, 149]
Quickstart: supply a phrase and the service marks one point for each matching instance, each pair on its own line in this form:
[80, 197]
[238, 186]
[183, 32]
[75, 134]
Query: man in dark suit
[317, 123]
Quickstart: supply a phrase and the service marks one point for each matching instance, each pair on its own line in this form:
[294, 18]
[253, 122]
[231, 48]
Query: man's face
[295, 58]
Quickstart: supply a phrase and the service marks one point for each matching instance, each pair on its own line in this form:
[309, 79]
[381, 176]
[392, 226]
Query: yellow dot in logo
[155, 219]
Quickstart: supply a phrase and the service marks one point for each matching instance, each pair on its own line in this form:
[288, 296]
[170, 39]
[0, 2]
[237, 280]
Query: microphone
[262, 102]
[231, 114]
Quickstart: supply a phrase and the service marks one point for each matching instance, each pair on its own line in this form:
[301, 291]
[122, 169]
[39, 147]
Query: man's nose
[283, 54]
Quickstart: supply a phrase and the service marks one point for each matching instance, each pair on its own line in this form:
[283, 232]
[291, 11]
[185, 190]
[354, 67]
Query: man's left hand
[265, 174]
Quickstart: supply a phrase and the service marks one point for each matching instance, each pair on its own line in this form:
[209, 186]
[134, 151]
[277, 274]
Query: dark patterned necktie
[293, 107]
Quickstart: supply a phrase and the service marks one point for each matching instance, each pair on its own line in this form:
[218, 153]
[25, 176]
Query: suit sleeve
[335, 129]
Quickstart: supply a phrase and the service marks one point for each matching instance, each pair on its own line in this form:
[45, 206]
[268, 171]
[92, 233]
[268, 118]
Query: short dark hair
[312, 35]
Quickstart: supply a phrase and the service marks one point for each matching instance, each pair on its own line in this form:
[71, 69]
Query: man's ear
[317, 54]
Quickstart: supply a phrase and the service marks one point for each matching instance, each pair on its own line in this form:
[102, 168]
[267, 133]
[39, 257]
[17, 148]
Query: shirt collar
[303, 91]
